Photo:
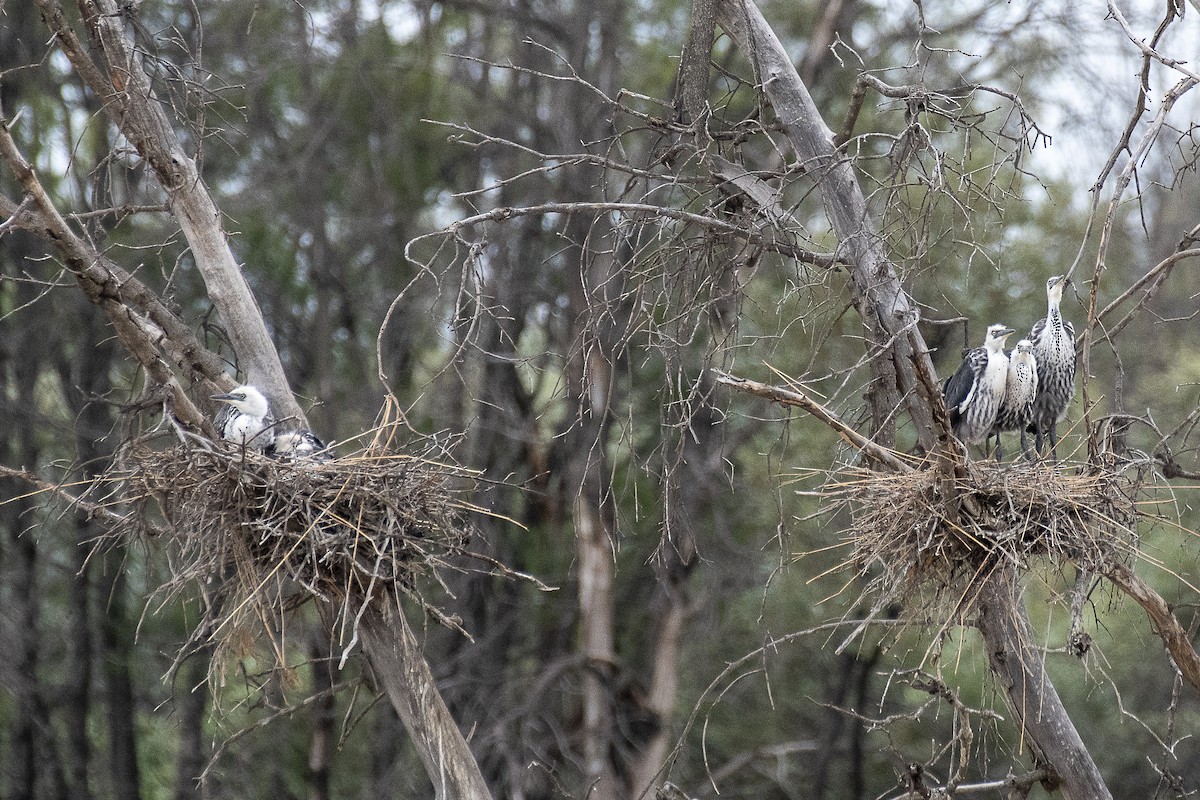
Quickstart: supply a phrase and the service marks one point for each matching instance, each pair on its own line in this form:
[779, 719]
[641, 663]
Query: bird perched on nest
[246, 418]
[973, 393]
[1054, 349]
[1020, 388]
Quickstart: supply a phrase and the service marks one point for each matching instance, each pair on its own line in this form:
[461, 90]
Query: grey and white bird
[1054, 349]
[299, 444]
[246, 418]
[1020, 390]
[974, 392]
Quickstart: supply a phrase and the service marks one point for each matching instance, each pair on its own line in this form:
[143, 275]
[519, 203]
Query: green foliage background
[319, 130]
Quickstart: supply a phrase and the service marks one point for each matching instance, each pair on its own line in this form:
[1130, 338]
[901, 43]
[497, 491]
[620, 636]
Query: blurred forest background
[342, 138]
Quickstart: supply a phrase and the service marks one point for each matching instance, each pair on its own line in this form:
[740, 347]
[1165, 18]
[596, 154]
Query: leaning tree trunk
[1020, 668]
[400, 668]
[888, 313]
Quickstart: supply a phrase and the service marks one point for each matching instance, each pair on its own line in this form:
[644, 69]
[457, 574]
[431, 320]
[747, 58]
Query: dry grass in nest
[260, 536]
[926, 538]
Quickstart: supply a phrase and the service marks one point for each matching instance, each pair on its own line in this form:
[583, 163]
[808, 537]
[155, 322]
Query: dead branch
[131, 103]
[1175, 637]
[887, 312]
[764, 239]
[91, 508]
[94, 279]
[793, 397]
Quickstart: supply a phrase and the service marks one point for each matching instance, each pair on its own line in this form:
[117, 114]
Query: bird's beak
[224, 398]
[1008, 332]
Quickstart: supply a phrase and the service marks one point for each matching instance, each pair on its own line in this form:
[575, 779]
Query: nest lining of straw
[272, 533]
[927, 531]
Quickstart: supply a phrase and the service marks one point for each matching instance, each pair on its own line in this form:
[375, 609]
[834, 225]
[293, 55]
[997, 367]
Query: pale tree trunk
[128, 97]
[123, 86]
[885, 308]
[400, 668]
[1019, 667]
[889, 314]
[595, 301]
[594, 555]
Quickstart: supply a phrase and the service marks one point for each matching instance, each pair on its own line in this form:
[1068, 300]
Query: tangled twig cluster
[939, 531]
[263, 535]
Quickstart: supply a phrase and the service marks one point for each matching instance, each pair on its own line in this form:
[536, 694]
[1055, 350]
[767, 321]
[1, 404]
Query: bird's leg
[1054, 441]
[999, 453]
[1025, 446]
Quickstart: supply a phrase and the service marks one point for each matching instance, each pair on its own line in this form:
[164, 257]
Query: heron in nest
[246, 418]
[299, 444]
[1020, 390]
[1054, 349]
[974, 392]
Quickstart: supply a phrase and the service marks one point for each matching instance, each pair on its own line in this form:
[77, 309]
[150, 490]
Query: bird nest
[261, 535]
[925, 538]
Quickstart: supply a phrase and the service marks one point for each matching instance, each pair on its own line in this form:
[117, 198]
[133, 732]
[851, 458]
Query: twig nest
[261, 535]
[936, 532]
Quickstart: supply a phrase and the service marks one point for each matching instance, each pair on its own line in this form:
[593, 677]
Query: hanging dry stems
[927, 533]
[260, 535]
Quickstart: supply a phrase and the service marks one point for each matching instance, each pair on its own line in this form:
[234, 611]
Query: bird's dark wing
[958, 387]
[1038, 327]
[222, 418]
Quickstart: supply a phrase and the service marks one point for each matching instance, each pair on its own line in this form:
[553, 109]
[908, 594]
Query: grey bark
[1020, 669]
[130, 100]
[400, 667]
[888, 313]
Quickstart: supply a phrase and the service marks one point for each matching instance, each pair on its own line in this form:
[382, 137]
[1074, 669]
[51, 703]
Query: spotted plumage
[1054, 349]
[1020, 390]
[974, 392]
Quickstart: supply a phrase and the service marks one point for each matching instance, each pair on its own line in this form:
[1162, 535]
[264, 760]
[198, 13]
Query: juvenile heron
[1054, 349]
[298, 444]
[974, 392]
[1020, 389]
[246, 418]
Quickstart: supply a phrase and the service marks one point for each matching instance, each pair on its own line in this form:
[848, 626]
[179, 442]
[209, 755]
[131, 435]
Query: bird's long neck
[1054, 319]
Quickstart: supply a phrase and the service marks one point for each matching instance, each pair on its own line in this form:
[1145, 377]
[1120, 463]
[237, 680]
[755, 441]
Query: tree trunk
[321, 743]
[905, 371]
[192, 693]
[1020, 669]
[400, 668]
[129, 99]
[117, 655]
[591, 379]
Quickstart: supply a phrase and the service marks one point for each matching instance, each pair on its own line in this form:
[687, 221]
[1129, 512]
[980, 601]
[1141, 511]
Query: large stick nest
[935, 532]
[261, 535]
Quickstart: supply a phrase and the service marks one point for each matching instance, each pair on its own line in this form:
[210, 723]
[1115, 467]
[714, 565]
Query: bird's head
[1025, 347]
[996, 335]
[246, 399]
[1054, 288]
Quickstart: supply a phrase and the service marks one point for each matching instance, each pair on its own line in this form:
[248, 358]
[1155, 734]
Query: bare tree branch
[884, 306]
[1174, 635]
[793, 397]
[130, 100]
